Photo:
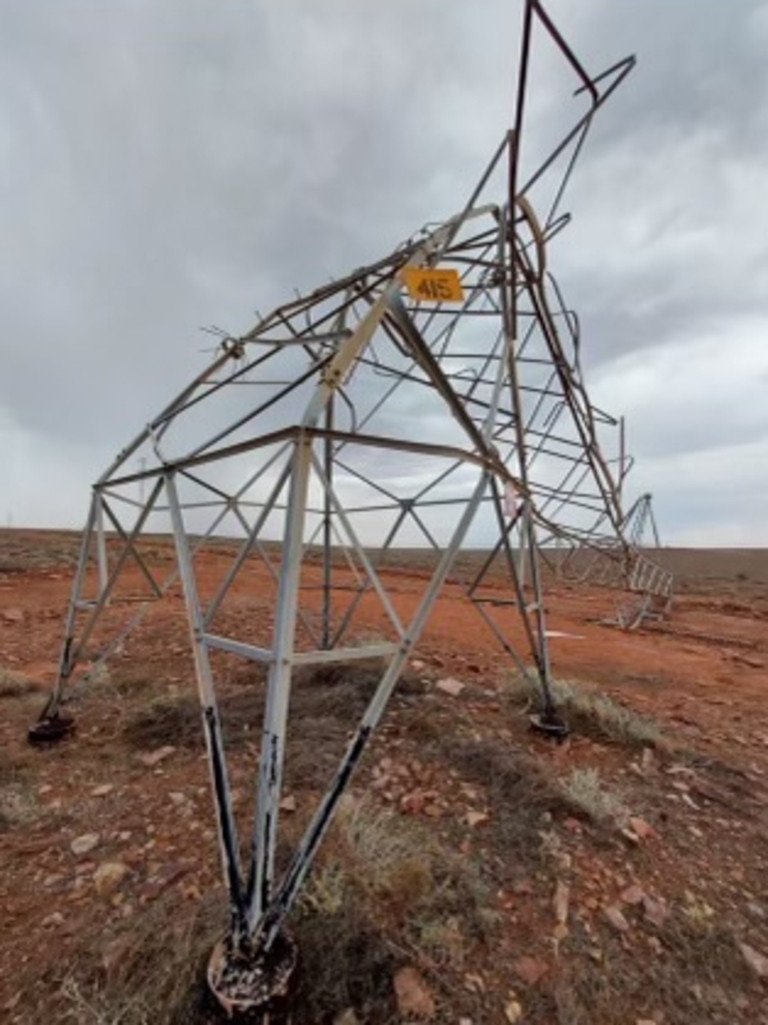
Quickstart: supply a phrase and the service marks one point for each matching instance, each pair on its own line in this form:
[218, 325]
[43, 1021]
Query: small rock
[513, 1010]
[418, 666]
[476, 818]
[152, 758]
[641, 828]
[647, 761]
[615, 917]
[103, 790]
[177, 798]
[474, 983]
[572, 825]
[13, 615]
[755, 960]
[530, 969]
[756, 911]
[55, 918]
[655, 910]
[450, 686]
[560, 902]
[632, 895]
[109, 875]
[413, 995]
[84, 844]
[288, 803]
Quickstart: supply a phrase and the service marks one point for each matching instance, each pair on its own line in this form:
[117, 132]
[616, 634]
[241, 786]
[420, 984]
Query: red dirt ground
[701, 676]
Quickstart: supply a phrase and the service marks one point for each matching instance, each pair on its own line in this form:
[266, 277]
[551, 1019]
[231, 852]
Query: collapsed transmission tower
[435, 396]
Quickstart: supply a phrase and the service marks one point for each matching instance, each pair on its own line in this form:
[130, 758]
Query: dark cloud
[168, 166]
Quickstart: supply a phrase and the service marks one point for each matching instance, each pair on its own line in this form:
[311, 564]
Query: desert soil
[650, 909]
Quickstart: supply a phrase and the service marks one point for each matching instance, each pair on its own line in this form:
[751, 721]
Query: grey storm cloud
[169, 166]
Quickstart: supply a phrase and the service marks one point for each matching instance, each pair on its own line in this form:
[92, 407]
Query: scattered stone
[756, 911]
[103, 790]
[476, 818]
[288, 803]
[413, 995]
[152, 758]
[559, 933]
[513, 1010]
[572, 825]
[530, 969]
[84, 844]
[418, 666]
[560, 902]
[13, 615]
[641, 828]
[450, 686]
[755, 960]
[108, 876]
[633, 894]
[615, 918]
[655, 910]
[647, 760]
[474, 983]
[55, 918]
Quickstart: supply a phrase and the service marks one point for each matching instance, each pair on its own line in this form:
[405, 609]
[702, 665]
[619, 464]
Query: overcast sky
[166, 166]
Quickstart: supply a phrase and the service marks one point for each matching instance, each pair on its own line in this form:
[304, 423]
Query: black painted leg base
[550, 724]
[51, 729]
[253, 986]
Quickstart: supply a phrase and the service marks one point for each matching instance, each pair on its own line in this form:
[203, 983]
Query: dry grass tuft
[520, 793]
[15, 685]
[146, 972]
[699, 977]
[166, 720]
[593, 714]
[584, 790]
[18, 803]
[386, 892]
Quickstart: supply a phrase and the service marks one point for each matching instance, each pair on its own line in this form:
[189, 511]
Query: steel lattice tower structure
[431, 393]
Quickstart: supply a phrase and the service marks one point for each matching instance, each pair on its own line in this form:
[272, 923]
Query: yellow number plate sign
[431, 284]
